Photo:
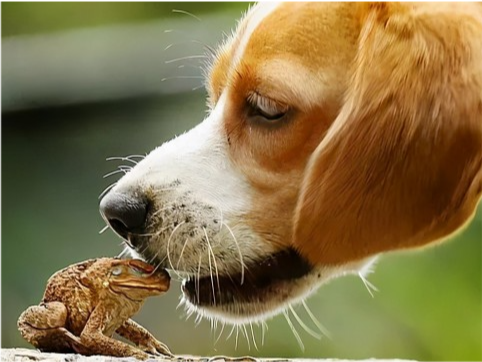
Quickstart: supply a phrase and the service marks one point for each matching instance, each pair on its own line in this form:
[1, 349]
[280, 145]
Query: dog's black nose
[125, 214]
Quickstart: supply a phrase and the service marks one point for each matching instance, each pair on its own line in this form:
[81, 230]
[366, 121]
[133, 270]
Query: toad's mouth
[260, 281]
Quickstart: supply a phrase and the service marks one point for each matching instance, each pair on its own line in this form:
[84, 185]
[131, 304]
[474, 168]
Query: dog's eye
[266, 108]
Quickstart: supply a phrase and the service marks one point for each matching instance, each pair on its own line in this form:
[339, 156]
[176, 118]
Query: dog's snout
[124, 213]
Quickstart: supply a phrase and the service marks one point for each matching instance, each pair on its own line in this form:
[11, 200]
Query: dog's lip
[261, 278]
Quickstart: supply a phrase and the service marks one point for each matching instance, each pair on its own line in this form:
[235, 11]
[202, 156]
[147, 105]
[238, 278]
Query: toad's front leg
[137, 334]
[93, 338]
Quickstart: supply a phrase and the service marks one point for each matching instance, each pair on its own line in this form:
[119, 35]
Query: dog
[336, 133]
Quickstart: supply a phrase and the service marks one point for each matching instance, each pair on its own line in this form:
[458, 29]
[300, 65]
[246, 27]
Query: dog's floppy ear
[401, 165]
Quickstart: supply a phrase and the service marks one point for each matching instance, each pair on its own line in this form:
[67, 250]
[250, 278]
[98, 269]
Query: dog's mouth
[258, 282]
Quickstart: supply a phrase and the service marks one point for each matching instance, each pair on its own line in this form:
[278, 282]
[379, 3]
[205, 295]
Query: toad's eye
[116, 271]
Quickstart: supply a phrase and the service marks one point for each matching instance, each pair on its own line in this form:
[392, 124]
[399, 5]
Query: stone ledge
[31, 355]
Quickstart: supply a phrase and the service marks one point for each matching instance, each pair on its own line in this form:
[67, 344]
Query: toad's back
[65, 286]
[61, 285]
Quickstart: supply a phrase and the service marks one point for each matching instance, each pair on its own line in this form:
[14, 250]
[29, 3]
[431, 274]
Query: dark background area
[82, 82]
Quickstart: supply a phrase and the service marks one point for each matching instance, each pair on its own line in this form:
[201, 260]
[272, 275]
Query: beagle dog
[335, 133]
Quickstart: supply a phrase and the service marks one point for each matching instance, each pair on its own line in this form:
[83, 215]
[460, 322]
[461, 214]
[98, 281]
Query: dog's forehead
[297, 52]
[313, 34]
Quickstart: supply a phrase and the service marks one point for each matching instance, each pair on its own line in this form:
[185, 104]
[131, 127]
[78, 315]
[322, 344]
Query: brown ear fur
[401, 165]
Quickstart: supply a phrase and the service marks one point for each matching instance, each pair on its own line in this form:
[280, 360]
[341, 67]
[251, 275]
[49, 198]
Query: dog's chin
[252, 294]
[268, 288]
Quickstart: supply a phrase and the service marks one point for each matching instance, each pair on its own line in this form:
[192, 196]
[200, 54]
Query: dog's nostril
[124, 213]
[119, 227]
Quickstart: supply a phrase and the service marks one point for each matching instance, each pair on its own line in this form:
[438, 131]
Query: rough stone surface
[31, 355]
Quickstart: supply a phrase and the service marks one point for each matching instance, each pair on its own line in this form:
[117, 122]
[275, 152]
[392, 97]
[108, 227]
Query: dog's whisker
[179, 305]
[128, 242]
[210, 49]
[159, 211]
[152, 258]
[315, 321]
[162, 260]
[211, 275]
[181, 253]
[198, 277]
[264, 326]
[198, 319]
[125, 249]
[220, 333]
[120, 158]
[104, 229]
[123, 253]
[231, 332]
[189, 57]
[113, 173]
[130, 157]
[186, 13]
[197, 67]
[182, 77]
[252, 335]
[106, 190]
[189, 313]
[168, 251]
[207, 47]
[369, 286]
[241, 260]
[236, 339]
[169, 205]
[157, 233]
[303, 325]
[245, 332]
[212, 324]
[293, 329]
[215, 263]
[155, 269]
[215, 327]
[115, 158]
[198, 87]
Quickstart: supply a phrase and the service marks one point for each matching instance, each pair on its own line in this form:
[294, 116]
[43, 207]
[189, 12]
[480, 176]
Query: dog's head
[336, 132]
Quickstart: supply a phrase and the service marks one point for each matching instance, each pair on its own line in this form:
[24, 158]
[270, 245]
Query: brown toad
[85, 303]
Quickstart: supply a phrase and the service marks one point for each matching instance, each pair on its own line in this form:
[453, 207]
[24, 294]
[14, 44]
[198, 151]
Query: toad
[86, 303]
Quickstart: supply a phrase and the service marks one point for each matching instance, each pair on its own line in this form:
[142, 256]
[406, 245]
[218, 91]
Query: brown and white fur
[377, 147]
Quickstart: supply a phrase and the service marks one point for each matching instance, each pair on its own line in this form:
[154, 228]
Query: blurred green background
[85, 81]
